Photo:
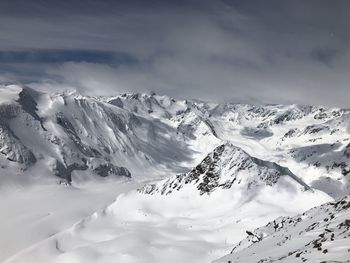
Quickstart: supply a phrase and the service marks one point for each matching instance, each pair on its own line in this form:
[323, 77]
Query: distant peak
[225, 167]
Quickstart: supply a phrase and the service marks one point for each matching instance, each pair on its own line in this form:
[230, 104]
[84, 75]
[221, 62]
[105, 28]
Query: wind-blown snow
[9, 93]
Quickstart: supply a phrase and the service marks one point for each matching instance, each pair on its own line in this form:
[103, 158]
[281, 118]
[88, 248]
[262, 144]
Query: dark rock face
[347, 151]
[313, 129]
[118, 121]
[117, 102]
[206, 169]
[13, 149]
[108, 169]
[27, 101]
[18, 153]
[320, 116]
[256, 133]
[286, 116]
[289, 134]
[10, 145]
[8, 111]
[345, 169]
[65, 172]
[69, 129]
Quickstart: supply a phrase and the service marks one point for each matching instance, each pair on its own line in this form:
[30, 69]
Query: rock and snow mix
[320, 234]
[228, 167]
[206, 174]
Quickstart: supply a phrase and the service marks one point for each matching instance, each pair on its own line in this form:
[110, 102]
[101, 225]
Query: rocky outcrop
[109, 169]
[318, 235]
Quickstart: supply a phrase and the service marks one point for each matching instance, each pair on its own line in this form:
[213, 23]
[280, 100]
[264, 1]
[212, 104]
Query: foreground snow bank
[153, 228]
[32, 213]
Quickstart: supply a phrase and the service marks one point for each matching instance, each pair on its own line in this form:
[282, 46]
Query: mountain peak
[226, 166]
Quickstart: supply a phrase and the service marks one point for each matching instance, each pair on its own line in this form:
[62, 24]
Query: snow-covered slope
[318, 235]
[260, 162]
[68, 132]
[192, 217]
[228, 167]
[311, 141]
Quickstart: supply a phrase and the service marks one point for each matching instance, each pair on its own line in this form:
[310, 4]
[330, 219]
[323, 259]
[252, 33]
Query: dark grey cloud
[59, 56]
[271, 51]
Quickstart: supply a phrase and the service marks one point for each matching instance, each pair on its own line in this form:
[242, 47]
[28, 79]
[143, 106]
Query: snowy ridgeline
[218, 171]
[226, 167]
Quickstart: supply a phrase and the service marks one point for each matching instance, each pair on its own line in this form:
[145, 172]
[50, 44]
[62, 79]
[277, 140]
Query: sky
[273, 51]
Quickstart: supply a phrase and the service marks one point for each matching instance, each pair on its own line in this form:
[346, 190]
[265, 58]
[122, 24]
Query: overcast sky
[280, 51]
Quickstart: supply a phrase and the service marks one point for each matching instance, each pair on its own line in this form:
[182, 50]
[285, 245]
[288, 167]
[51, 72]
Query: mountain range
[205, 176]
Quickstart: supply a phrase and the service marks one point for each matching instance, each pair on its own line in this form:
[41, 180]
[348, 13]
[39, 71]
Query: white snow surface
[34, 213]
[65, 157]
[184, 226]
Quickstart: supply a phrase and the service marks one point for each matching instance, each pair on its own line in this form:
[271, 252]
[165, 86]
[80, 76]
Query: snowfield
[187, 224]
[147, 178]
[35, 213]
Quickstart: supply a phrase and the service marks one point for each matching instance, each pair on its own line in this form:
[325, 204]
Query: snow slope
[317, 235]
[30, 214]
[229, 167]
[187, 217]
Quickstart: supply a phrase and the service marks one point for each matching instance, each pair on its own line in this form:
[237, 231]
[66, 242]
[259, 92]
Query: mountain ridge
[136, 131]
[210, 171]
[221, 169]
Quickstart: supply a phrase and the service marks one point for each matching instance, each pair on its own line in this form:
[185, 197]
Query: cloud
[60, 56]
[274, 52]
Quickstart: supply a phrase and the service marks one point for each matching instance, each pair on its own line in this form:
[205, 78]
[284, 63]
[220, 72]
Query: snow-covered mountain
[68, 132]
[205, 172]
[191, 217]
[320, 234]
[154, 136]
[228, 167]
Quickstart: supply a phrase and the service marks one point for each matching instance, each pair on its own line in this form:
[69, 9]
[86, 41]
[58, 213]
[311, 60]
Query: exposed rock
[221, 169]
[318, 235]
[65, 172]
[109, 169]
